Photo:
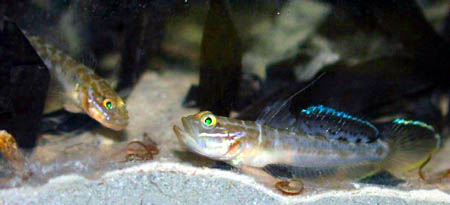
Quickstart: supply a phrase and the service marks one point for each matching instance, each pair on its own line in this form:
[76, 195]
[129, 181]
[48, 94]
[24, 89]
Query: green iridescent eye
[209, 120]
[108, 104]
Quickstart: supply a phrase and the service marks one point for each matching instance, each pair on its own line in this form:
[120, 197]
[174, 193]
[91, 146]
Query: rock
[23, 85]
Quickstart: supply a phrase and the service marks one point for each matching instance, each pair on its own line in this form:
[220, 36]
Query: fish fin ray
[278, 114]
[331, 176]
[412, 144]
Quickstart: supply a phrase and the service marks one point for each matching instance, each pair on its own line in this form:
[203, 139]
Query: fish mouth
[181, 134]
[114, 122]
[117, 126]
[185, 137]
[118, 122]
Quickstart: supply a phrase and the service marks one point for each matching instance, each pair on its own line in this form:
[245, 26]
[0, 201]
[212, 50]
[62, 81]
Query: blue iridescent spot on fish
[401, 121]
[337, 125]
[320, 109]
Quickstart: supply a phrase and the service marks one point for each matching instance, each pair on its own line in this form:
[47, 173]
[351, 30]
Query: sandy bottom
[175, 183]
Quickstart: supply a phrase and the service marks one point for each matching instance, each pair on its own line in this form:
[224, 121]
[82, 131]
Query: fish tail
[411, 143]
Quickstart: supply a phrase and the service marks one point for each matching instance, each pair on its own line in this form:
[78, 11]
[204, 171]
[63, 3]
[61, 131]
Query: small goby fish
[361, 149]
[79, 89]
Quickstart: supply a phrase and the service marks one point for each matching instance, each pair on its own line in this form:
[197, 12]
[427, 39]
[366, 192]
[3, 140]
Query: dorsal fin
[321, 120]
[279, 112]
[318, 120]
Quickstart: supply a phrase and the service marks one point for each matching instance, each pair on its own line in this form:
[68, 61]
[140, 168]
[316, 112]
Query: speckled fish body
[333, 124]
[309, 149]
[77, 88]
[275, 146]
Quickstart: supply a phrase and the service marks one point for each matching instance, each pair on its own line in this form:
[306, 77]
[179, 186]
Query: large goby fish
[316, 144]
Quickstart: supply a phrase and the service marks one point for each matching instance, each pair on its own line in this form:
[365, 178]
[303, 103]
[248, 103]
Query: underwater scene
[224, 102]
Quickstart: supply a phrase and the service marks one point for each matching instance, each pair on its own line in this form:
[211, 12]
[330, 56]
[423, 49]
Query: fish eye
[208, 120]
[108, 104]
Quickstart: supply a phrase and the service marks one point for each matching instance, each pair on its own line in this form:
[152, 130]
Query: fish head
[103, 104]
[211, 136]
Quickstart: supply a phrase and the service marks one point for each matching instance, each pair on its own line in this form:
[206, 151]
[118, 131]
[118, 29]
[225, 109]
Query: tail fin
[412, 144]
